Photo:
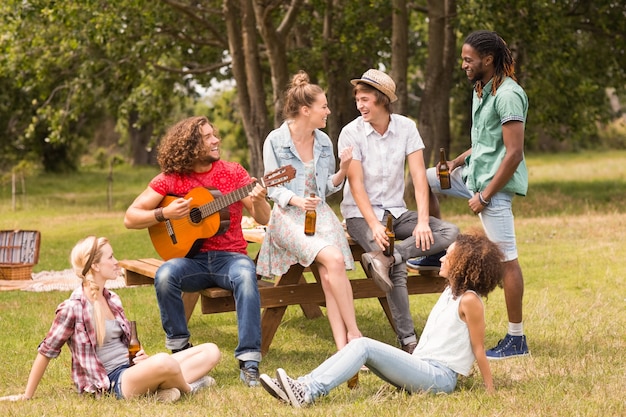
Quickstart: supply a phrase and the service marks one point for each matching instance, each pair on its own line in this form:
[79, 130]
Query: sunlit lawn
[571, 241]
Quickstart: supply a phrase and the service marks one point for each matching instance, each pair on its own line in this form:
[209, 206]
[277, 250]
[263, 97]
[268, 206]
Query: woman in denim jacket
[300, 143]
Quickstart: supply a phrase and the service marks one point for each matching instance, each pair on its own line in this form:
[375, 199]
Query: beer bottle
[354, 381]
[444, 171]
[134, 346]
[390, 234]
[309, 221]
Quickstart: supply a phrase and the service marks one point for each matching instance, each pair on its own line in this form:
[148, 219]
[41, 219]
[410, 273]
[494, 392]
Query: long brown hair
[182, 145]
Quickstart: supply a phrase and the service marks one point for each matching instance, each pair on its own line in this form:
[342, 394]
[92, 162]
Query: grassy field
[571, 242]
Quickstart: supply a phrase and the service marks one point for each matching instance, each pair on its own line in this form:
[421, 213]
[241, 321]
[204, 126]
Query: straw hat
[380, 81]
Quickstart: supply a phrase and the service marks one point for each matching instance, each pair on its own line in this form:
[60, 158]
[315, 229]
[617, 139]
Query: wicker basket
[13, 271]
[19, 252]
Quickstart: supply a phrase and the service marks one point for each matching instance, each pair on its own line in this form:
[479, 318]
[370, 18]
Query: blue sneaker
[426, 263]
[509, 347]
[249, 373]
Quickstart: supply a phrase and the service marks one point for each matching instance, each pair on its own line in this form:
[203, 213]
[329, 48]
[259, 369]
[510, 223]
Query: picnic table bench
[276, 295]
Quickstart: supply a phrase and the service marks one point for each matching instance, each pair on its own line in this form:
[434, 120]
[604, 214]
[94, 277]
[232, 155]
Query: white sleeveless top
[445, 338]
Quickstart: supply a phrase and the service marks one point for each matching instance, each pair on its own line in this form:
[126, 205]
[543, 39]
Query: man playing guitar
[189, 157]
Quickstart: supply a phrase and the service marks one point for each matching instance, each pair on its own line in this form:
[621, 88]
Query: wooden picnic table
[276, 295]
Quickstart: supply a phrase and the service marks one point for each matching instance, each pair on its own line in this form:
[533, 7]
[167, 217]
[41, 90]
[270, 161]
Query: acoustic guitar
[208, 216]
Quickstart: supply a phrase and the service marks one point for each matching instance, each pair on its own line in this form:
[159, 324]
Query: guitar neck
[226, 200]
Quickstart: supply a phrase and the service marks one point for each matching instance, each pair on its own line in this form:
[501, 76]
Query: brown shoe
[409, 347]
[377, 266]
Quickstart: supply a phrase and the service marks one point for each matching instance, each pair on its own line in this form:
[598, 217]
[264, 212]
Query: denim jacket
[279, 150]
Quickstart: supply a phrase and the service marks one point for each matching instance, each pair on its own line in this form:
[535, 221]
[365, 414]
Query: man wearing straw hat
[383, 142]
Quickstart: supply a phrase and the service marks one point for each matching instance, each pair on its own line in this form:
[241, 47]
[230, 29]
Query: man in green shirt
[493, 170]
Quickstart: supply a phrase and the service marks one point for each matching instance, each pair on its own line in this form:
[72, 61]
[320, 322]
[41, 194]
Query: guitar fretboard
[225, 200]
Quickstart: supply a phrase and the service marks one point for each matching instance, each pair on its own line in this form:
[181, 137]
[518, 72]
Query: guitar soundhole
[195, 215]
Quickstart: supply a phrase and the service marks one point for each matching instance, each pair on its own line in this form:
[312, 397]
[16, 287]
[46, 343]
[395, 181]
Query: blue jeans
[497, 218]
[391, 364]
[228, 270]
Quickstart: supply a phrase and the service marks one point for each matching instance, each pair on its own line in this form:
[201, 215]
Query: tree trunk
[246, 68]
[340, 98]
[139, 139]
[434, 117]
[400, 50]
[275, 43]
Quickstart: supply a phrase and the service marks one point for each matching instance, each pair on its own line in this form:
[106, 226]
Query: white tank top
[445, 338]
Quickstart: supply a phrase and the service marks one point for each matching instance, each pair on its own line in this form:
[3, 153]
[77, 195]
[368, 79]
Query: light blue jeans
[497, 218]
[391, 364]
[228, 270]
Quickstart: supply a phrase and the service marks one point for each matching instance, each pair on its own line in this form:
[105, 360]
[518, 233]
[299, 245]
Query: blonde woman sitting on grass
[93, 324]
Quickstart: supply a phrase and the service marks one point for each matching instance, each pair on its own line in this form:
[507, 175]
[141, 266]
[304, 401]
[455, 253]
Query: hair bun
[300, 79]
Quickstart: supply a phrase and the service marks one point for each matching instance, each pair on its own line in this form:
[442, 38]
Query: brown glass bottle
[309, 220]
[354, 381]
[444, 171]
[134, 346]
[391, 235]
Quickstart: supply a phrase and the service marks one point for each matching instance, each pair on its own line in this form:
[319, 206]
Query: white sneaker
[197, 385]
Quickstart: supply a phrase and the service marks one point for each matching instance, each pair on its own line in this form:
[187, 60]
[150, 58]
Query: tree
[434, 118]
[65, 66]
[567, 54]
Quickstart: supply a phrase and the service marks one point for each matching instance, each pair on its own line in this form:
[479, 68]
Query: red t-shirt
[224, 177]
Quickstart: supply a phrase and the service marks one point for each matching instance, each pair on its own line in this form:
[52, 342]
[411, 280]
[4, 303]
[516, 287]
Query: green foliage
[66, 66]
[567, 54]
[360, 38]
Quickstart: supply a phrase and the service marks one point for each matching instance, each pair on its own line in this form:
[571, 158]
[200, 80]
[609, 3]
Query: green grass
[571, 240]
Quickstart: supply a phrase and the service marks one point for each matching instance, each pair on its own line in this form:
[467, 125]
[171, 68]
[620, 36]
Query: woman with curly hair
[453, 337]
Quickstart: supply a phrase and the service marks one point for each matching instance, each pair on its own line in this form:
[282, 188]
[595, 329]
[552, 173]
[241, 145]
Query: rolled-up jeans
[228, 270]
[391, 364]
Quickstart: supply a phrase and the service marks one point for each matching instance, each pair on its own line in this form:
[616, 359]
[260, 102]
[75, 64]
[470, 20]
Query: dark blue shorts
[115, 377]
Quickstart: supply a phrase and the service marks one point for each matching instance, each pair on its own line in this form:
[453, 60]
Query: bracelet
[158, 215]
[482, 200]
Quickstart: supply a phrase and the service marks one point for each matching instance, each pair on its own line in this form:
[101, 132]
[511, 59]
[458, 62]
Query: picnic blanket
[53, 281]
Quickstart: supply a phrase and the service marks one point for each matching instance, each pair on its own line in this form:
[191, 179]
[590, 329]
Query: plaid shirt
[74, 325]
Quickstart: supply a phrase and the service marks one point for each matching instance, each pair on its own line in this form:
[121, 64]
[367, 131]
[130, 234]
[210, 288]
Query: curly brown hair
[475, 264]
[182, 145]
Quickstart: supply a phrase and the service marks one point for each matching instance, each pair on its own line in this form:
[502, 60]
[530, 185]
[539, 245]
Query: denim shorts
[115, 377]
[497, 217]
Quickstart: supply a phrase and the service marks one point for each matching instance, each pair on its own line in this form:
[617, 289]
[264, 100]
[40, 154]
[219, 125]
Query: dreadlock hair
[490, 43]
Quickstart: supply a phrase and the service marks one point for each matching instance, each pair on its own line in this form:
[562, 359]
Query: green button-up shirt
[489, 113]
